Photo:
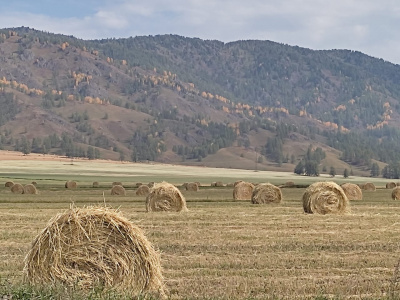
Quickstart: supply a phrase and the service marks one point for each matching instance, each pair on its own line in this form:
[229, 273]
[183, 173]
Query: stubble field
[220, 248]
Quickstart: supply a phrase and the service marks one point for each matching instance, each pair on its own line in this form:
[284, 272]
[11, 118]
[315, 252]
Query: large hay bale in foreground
[143, 190]
[265, 193]
[71, 185]
[352, 191]
[94, 247]
[369, 186]
[165, 197]
[17, 188]
[9, 184]
[30, 189]
[243, 191]
[325, 198]
[118, 190]
[396, 193]
[391, 185]
[192, 186]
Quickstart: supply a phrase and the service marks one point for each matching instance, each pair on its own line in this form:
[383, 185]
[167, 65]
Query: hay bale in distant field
[138, 184]
[369, 186]
[396, 193]
[230, 184]
[94, 247]
[192, 186]
[30, 189]
[165, 197]
[9, 184]
[213, 184]
[185, 184]
[34, 183]
[391, 185]
[17, 188]
[116, 183]
[71, 185]
[243, 191]
[265, 193]
[325, 198]
[352, 191]
[198, 183]
[151, 184]
[143, 190]
[289, 184]
[118, 190]
[237, 182]
[219, 184]
[95, 184]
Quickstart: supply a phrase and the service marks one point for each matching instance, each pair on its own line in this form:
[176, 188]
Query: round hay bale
[34, 183]
[17, 189]
[95, 184]
[94, 247]
[151, 184]
[198, 183]
[237, 182]
[391, 185]
[265, 193]
[192, 186]
[243, 191]
[213, 184]
[352, 191]
[396, 193]
[143, 190]
[118, 190]
[138, 184]
[369, 186]
[71, 185]
[230, 184]
[165, 197]
[325, 198]
[398, 183]
[185, 184]
[9, 184]
[289, 184]
[219, 184]
[116, 183]
[30, 189]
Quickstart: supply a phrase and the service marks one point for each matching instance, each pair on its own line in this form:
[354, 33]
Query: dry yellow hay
[143, 190]
[352, 191]
[34, 183]
[265, 193]
[369, 186]
[219, 184]
[138, 184]
[165, 197]
[391, 185]
[118, 190]
[398, 183]
[237, 182]
[243, 191]
[70, 185]
[192, 186]
[117, 183]
[30, 189]
[325, 198]
[95, 184]
[9, 184]
[151, 184]
[17, 188]
[396, 193]
[94, 247]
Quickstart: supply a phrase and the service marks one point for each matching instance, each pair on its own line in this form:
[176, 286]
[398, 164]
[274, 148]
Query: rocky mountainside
[246, 104]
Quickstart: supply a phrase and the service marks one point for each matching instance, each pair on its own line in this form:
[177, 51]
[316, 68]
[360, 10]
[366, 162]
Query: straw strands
[265, 193]
[352, 191]
[243, 191]
[165, 197]
[396, 193]
[94, 247]
[325, 198]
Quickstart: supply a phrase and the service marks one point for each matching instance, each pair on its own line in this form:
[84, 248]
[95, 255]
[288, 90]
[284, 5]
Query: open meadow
[221, 248]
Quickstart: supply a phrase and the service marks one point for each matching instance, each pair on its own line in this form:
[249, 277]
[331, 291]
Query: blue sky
[368, 26]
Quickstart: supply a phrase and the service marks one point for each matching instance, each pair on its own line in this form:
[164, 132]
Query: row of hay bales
[17, 188]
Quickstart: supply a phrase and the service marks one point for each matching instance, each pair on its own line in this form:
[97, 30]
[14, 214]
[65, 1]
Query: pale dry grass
[224, 249]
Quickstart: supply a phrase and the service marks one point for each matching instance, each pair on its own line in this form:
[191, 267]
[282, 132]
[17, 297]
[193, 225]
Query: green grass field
[221, 248]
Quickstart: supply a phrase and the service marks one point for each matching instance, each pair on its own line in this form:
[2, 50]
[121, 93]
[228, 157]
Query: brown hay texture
[143, 190]
[369, 186]
[118, 190]
[325, 198]
[30, 189]
[138, 184]
[9, 184]
[213, 184]
[243, 191]
[165, 197]
[352, 191]
[151, 184]
[391, 185]
[237, 182]
[116, 183]
[198, 183]
[219, 184]
[95, 184]
[185, 184]
[265, 193]
[71, 185]
[94, 247]
[289, 184]
[17, 188]
[397, 183]
[192, 186]
[34, 183]
[396, 193]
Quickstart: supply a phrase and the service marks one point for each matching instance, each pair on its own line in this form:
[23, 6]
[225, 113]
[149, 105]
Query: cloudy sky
[369, 26]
